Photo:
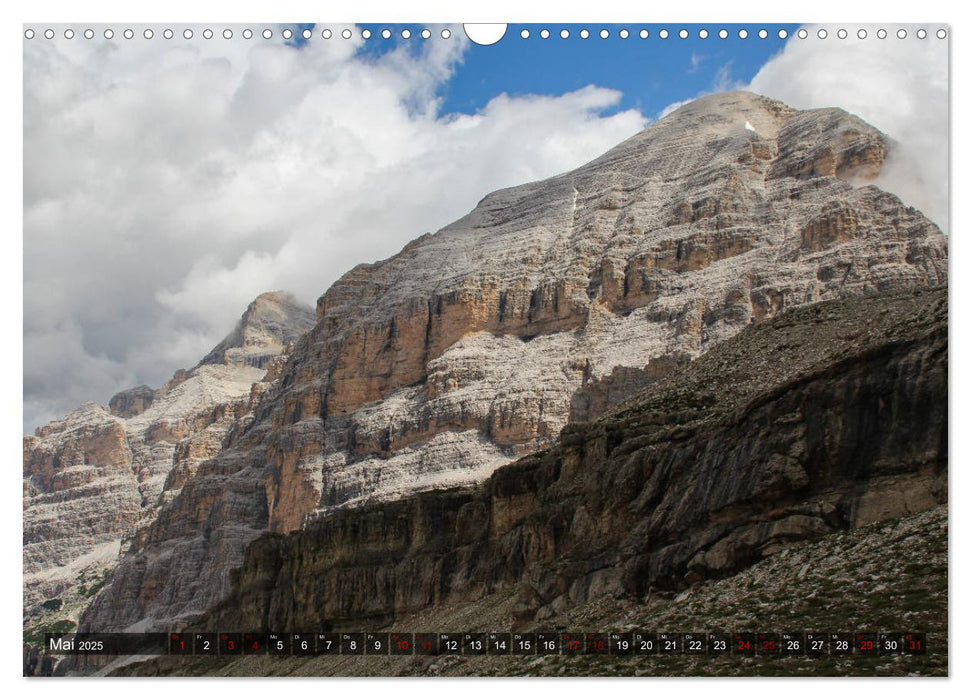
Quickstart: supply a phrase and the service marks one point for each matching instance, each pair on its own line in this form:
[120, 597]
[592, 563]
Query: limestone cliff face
[827, 417]
[93, 477]
[471, 346]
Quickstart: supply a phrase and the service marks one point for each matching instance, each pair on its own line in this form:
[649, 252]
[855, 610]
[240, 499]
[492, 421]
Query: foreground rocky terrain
[475, 346]
[96, 476]
[890, 576]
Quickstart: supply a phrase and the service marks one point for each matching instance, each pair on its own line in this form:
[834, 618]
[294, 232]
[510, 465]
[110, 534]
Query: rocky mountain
[824, 418]
[269, 324]
[472, 346]
[92, 478]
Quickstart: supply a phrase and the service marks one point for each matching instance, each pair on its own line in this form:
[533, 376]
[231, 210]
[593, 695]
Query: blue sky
[651, 73]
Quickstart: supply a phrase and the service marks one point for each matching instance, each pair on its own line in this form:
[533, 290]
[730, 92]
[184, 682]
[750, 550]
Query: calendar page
[543, 349]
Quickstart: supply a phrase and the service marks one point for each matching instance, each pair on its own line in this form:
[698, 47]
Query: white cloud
[724, 80]
[899, 86]
[167, 183]
[696, 61]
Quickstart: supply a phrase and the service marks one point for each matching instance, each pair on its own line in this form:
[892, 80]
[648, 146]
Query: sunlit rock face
[472, 346]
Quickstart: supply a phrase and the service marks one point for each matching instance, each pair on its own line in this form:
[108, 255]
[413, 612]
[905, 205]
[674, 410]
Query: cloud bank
[167, 183]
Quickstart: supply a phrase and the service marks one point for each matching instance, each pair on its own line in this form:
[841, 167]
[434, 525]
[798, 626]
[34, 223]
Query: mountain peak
[274, 298]
[438, 365]
[733, 100]
[270, 322]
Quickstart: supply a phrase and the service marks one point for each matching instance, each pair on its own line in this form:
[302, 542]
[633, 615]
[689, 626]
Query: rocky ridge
[92, 478]
[469, 347]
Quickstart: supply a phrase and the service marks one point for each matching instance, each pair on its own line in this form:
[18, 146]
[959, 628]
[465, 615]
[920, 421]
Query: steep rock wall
[838, 420]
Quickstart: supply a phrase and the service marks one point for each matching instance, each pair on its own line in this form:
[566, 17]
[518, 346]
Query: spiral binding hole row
[446, 34]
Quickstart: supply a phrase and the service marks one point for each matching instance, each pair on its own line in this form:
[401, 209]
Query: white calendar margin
[434, 11]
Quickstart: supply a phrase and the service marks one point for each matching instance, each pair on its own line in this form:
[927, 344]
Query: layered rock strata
[468, 348]
[825, 418]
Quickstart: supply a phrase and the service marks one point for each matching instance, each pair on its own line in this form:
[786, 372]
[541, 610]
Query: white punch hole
[485, 34]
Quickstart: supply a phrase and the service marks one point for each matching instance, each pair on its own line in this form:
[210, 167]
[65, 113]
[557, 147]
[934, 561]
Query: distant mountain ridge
[92, 477]
[271, 322]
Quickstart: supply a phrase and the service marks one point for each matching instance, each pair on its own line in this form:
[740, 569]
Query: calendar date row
[559, 643]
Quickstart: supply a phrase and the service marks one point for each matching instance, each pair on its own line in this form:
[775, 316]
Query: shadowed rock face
[131, 402]
[903, 563]
[827, 417]
[464, 351]
[93, 477]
